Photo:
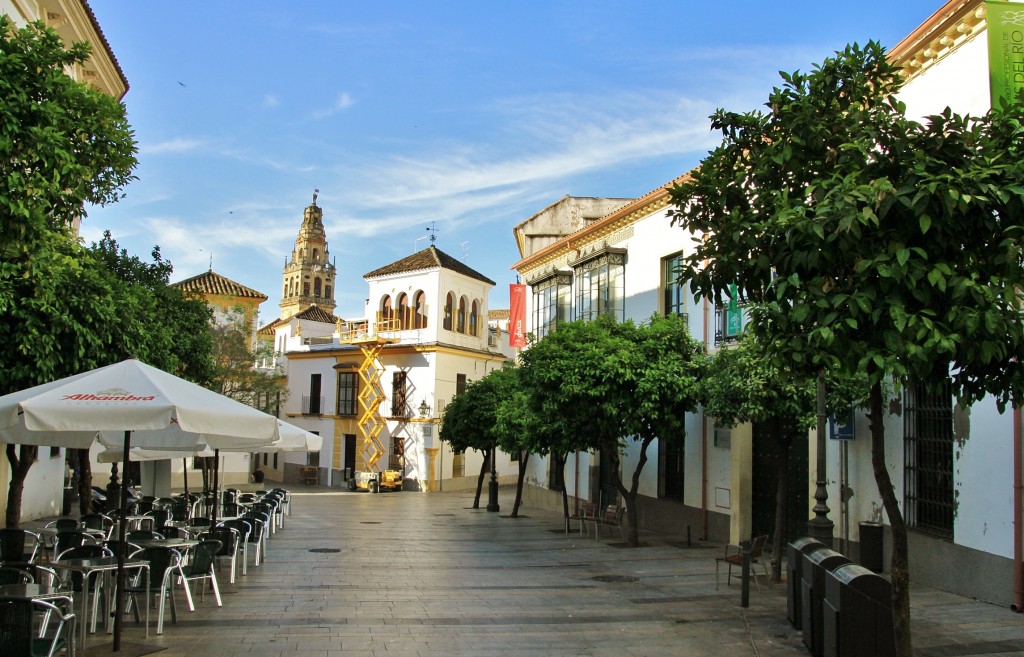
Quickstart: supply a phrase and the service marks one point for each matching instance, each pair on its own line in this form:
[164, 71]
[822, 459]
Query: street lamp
[492, 487]
[424, 409]
[820, 527]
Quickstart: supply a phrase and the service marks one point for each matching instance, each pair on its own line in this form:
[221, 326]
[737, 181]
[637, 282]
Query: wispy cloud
[179, 145]
[341, 103]
[547, 142]
[270, 100]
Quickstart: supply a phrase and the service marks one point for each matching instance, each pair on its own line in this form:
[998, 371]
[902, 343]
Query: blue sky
[473, 115]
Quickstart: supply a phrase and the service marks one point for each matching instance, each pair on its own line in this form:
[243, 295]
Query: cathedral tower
[309, 277]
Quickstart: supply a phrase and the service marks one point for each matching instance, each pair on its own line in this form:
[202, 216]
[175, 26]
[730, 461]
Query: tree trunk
[632, 518]
[783, 439]
[480, 480]
[21, 460]
[84, 482]
[524, 458]
[899, 566]
[560, 467]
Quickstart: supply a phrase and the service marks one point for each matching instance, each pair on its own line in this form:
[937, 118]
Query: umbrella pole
[121, 546]
[188, 500]
[216, 488]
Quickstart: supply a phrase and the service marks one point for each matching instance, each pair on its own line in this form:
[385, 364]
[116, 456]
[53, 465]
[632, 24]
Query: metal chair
[76, 583]
[734, 557]
[229, 540]
[98, 522]
[18, 623]
[19, 545]
[244, 529]
[163, 566]
[12, 575]
[201, 568]
[65, 540]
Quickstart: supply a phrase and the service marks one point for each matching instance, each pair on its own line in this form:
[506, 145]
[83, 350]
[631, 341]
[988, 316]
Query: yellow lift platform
[371, 475]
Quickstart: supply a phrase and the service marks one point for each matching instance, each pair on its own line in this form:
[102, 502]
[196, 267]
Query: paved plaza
[409, 574]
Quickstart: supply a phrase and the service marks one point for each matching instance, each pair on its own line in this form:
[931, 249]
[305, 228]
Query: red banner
[517, 315]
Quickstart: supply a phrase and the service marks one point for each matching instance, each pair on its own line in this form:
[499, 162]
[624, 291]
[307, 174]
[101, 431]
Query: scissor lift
[370, 475]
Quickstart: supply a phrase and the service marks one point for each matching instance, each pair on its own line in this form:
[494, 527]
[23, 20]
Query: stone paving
[408, 574]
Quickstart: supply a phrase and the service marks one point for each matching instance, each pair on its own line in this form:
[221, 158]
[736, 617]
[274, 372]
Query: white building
[429, 315]
[959, 488]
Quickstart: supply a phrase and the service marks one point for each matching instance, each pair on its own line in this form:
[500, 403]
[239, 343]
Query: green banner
[1005, 50]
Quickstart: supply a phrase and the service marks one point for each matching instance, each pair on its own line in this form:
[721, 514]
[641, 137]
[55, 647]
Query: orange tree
[601, 384]
[873, 243]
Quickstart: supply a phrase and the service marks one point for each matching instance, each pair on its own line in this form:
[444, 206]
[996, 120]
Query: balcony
[312, 405]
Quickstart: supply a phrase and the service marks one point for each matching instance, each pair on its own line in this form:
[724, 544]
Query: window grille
[928, 459]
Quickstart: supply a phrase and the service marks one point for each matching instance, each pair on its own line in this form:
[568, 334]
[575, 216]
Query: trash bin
[794, 562]
[815, 565]
[857, 614]
[871, 535]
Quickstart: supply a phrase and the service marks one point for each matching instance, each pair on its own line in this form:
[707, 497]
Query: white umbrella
[152, 408]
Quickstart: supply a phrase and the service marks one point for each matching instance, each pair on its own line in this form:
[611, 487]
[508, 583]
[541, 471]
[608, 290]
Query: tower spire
[309, 275]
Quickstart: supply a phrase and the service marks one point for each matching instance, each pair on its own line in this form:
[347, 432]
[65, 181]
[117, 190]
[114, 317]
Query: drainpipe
[1018, 508]
[704, 450]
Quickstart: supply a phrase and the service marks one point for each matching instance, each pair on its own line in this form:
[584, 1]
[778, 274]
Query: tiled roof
[315, 313]
[429, 258]
[210, 282]
[269, 328]
[105, 43]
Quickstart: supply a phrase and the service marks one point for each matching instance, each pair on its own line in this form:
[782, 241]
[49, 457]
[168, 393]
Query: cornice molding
[945, 31]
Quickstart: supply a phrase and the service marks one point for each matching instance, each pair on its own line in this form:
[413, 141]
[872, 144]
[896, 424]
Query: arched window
[327, 291]
[474, 316]
[285, 293]
[449, 310]
[460, 326]
[316, 286]
[302, 254]
[403, 312]
[420, 309]
[386, 310]
[316, 253]
[305, 289]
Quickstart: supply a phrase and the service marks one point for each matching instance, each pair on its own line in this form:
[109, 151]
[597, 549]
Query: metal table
[99, 566]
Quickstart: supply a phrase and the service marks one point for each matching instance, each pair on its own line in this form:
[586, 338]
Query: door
[766, 455]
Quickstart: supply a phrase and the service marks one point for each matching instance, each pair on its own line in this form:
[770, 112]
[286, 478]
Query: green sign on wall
[1005, 50]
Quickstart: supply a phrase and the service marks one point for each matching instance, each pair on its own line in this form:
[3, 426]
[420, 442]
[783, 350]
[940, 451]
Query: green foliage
[62, 142]
[742, 385]
[876, 244]
[235, 352]
[66, 309]
[599, 382]
[469, 419]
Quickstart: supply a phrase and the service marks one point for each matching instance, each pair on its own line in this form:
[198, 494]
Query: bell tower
[309, 277]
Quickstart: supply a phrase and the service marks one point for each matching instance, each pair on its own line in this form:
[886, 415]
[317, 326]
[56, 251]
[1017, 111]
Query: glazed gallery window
[600, 285]
[552, 302]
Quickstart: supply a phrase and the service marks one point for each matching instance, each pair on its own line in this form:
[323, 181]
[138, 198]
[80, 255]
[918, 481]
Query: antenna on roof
[211, 258]
[432, 229]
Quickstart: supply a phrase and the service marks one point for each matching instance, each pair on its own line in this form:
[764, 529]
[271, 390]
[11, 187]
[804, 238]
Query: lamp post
[820, 527]
[492, 487]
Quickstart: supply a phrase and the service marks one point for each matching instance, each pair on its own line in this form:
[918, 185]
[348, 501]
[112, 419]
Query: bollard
[745, 574]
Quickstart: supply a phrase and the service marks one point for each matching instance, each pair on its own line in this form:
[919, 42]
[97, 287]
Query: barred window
[928, 458]
[399, 405]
